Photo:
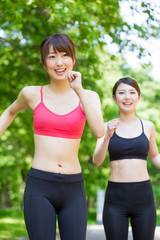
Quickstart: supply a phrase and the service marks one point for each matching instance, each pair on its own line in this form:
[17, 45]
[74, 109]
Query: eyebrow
[55, 52]
[51, 53]
[131, 89]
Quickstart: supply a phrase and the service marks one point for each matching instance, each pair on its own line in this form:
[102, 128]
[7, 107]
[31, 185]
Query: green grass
[12, 222]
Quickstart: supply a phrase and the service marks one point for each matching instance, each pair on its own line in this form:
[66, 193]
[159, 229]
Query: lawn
[12, 223]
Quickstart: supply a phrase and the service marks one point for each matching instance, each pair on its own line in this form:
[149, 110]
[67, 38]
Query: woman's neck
[130, 117]
[60, 87]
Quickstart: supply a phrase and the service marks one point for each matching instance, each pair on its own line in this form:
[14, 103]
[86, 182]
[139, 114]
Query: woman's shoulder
[30, 89]
[30, 92]
[148, 124]
[91, 93]
[31, 96]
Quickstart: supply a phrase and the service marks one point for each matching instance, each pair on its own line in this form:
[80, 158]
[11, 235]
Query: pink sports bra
[47, 123]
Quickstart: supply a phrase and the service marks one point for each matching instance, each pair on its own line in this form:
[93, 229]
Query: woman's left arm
[154, 155]
[90, 103]
[92, 108]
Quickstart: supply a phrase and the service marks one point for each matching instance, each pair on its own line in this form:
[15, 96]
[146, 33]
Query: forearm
[5, 120]
[20, 104]
[156, 160]
[100, 152]
[93, 114]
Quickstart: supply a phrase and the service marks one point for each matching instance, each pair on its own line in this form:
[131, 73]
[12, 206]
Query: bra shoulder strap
[41, 93]
[142, 125]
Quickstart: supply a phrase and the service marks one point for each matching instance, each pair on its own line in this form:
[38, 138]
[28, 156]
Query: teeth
[60, 70]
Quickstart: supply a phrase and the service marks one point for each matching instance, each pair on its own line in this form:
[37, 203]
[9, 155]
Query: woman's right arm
[102, 143]
[153, 153]
[20, 104]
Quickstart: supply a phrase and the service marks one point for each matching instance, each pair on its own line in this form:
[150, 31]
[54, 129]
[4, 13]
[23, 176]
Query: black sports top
[125, 148]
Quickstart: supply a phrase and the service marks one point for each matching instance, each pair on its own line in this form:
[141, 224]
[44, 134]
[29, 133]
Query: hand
[74, 79]
[111, 127]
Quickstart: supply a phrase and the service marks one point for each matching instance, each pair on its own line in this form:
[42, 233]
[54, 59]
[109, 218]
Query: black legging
[134, 201]
[48, 194]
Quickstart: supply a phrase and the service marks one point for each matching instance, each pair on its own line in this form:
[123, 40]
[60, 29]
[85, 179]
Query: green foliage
[24, 24]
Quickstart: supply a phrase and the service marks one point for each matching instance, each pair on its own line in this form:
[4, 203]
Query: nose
[127, 95]
[59, 61]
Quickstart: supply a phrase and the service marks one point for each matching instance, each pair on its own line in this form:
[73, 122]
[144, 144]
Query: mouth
[60, 70]
[127, 104]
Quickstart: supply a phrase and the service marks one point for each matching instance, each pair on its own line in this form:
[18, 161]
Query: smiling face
[57, 64]
[126, 97]
[57, 55]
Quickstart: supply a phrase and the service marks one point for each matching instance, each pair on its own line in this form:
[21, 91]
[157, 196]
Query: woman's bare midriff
[129, 170]
[58, 155]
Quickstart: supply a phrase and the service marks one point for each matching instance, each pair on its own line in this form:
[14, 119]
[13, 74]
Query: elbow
[96, 163]
[100, 133]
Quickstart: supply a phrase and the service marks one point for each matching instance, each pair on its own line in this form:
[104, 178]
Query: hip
[129, 193]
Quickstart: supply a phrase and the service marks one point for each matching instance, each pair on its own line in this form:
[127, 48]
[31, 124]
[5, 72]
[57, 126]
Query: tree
[24, 24]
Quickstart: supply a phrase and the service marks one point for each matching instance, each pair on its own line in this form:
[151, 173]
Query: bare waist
[129, 170]
[56, 154]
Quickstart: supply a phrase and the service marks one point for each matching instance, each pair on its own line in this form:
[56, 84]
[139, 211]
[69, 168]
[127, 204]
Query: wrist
[79, 91]
[107, 137]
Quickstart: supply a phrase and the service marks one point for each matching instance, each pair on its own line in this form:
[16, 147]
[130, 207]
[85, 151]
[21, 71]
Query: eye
[121, 92]
[65, 55]
[51, 56]
[133, 92]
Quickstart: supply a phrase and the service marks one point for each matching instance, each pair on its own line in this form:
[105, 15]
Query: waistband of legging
[57, 177]
[111, 183]
[129, 183]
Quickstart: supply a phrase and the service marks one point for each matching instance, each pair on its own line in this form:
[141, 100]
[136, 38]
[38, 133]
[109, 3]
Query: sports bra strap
[142, 125]
[41, 94]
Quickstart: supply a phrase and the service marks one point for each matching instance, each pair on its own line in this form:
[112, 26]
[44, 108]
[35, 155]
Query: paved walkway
[96, 232]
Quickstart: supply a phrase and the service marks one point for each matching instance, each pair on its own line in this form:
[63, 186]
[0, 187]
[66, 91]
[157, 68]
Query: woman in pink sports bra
[54, 183]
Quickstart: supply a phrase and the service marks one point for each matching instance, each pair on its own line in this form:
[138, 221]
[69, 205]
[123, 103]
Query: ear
[44, 67]
[114, 98]
[139, 97]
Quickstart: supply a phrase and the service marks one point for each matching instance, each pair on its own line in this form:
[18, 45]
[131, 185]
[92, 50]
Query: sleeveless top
[48, 123]
[126, 148]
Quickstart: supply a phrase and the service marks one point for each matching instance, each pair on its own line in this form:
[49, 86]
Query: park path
[96, 232]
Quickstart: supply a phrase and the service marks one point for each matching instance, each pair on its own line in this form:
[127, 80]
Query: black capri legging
[134, 201]
[47, 194]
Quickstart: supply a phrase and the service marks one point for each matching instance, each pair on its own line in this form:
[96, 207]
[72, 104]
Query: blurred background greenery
[23, 25]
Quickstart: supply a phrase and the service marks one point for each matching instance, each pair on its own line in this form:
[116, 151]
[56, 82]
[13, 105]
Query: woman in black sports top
[129, 192]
